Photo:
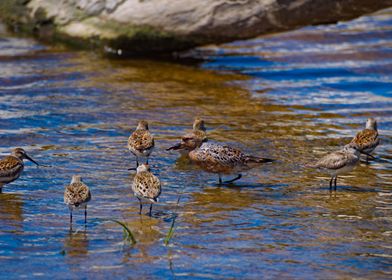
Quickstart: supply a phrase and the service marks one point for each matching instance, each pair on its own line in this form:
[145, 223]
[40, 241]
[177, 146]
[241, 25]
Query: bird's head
[143, 125]
[371, 123]
[21, 154]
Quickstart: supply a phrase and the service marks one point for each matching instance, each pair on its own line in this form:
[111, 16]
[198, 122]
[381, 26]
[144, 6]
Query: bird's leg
[147, 160]
[85, 214]
[150, 210]
[1, 188]
[220, 179]
[235, 179]
[336, 178]
[330, 184]
[137, 162]
[70, 216]
[367, 159]
[141, 206]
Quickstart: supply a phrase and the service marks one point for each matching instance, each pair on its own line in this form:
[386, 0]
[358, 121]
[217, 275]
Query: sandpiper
[146, 186]
[141, 142]
[12, 166]
[76, 195]
[198, 131]
[219, 159]
[367, 140]
[339, 162]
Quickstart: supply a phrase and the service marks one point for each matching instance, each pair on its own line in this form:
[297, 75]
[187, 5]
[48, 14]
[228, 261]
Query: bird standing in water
[76, 195]
[12, 166]
[217, 158]
[339, 162]
[367, 140]
[141, 142]
[146, 186]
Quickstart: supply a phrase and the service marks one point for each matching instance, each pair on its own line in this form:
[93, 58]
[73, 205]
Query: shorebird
[367, 140]
[198, 131]
[12, 166]
[219, 159]
[76, 195]
[141, 142]
[146, 186]
[339, 162]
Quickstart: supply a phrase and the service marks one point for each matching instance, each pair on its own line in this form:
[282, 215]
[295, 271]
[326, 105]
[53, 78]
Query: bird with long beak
[12, 166]
[367, 140]
[198, 131]
[217, 158]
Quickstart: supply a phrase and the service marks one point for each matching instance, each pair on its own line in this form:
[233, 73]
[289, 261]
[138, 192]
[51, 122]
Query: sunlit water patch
[292, 97]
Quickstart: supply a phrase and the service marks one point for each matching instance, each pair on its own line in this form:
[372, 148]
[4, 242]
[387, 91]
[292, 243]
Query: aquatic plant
[127, 233]
[170, 233]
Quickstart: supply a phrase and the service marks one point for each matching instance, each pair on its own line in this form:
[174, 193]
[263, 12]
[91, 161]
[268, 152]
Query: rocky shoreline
[162, 26]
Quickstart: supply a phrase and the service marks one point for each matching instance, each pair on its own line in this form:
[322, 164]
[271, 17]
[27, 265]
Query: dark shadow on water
[242, 185]
[353, 189]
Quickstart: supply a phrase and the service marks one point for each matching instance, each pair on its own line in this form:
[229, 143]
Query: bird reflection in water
[76, 243]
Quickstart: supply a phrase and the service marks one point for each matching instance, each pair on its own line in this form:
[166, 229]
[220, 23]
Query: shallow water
[292, 97]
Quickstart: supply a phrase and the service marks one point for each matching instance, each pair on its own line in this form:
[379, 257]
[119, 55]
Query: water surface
[293, 97]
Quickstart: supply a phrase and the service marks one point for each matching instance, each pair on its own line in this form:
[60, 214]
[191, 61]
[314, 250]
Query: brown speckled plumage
[367, 140]
[223, 159]
[215, 158]
[141, 141]
[77, 194]
[11, 167]
[146, 185]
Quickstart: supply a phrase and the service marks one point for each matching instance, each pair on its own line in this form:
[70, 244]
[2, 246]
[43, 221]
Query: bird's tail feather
[258, 159]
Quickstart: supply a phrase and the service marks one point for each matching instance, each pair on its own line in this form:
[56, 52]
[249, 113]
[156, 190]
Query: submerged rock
[172, 25]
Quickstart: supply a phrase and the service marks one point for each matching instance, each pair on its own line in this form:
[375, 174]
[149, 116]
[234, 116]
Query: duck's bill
[369, 155]
[30, 159]
[175, 147]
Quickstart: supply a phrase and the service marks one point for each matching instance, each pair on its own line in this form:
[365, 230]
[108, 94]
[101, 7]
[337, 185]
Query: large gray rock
[167, 25]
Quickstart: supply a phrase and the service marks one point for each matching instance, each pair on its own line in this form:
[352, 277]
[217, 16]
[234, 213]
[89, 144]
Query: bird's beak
[30, 159]
[369, 155]
[175, 147]
[133, 168]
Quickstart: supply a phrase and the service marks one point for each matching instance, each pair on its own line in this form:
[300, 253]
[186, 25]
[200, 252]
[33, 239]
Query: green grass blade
[127, 230]
[170, 233]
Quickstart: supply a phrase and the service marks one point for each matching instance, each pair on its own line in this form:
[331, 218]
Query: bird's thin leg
[330, 184]
[367, 159]
[147, 160]
[235, 179]
[336, 178]
[85, 214]
[220, 179]
[150, 210]
[141, 206]
[70, 216]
